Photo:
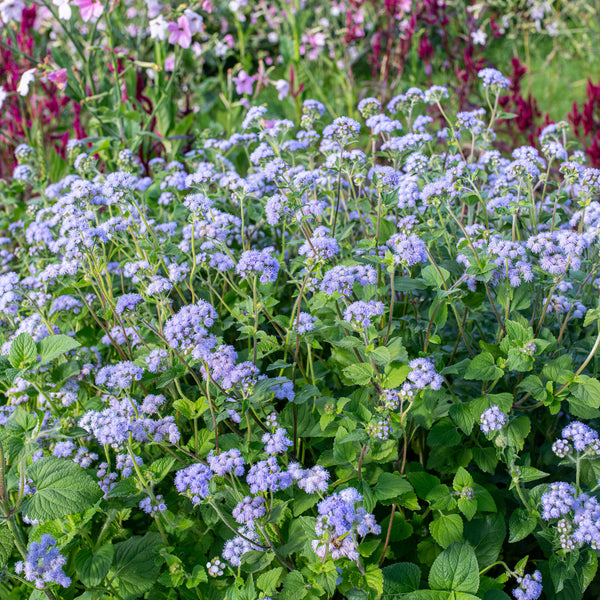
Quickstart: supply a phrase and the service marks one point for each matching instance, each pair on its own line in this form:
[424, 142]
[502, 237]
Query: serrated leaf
[23, 351]
[62, 488]
[92, 567]
[455, 569]
[55, 345]
[401, 578]
[359, 374]
[267, 581]
[483, 368]
[391, 485]
[447, 529]
[6, 545]
[134, 568]
[294, 587]
[520, 525]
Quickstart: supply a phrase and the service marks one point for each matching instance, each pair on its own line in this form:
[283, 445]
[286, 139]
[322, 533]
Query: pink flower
[90, 9]
[180, 32]
[244, 83]
[59, 78]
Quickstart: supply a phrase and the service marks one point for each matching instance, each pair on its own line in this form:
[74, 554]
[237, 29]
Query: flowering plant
[313, 359]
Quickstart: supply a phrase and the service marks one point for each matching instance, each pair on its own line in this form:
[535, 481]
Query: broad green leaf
[134, 568]
[447, 529]
[517, 431]
[360, 373]
[374, 579]
[62, 488]
[455, 569]
[6, 545]
[486, 537]
[295, 587]
[483, 368]
[23, 351]
[401, 578]
[55, 345]
[92, 567]
[267, 581]
[520, 525]
[461, 479]
[391, 485]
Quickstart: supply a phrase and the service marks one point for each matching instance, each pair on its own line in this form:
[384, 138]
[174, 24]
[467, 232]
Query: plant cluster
[334, 357]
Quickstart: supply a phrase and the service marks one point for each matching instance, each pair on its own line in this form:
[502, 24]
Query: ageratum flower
[226, 462]
[530, 587]
[119, 376]
[261, 263]
[193, 482]
[189, 327]
[359, 314]
[248, 510]
[339, 523]
[44, 564]
[492, 419]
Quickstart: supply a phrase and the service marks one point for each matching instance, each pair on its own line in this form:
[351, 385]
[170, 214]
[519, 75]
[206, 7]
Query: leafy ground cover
[262, 340]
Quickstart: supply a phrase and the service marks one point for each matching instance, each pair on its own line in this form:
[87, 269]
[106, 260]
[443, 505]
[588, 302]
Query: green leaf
[92, 568]
[23, 351]
[134, 568]
[343, 453]
[486, 537]
[432, 277]
[294, 587]
[467, 507]
[267, 581]
[359, 374]
[62, 488]
[391, 485]
[588, 391]
[517, 431]
[483, 368]
[517, 333]
[447, 529]
[6, 545]
[374, 579]
[588, 569]
[55, 345]
[455, 569]
[401, 578]
[463, 416]
[520, 525]
[461, 479]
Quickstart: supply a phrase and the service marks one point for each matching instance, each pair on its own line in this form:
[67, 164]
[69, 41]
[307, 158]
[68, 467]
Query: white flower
[26, 80]
[11, 10]
[3, 96]
[159, 28]
[283, 88]
[479, 37]
[64, 8]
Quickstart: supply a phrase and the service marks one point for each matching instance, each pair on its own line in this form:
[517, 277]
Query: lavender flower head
[492, 419]
[359, 314]
[258, 262]
[530, 587]
[119, 376]
[339, 523]
[193, 482]
[579, 436]
[321, 245]
[226, 462]
[276, 443]
[44, 564]
[189, 327]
